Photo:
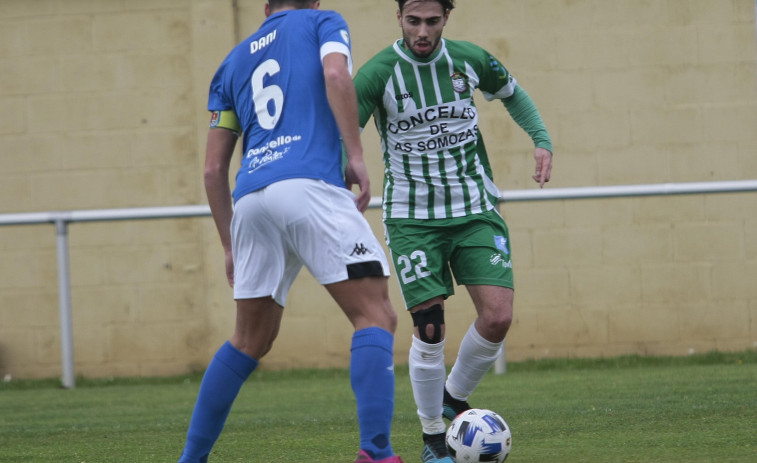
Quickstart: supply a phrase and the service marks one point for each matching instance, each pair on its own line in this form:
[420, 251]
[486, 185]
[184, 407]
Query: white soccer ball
[479, 435]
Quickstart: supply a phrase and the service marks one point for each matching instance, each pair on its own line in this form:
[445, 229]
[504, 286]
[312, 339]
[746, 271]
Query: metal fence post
[500, 365]
[64, 304]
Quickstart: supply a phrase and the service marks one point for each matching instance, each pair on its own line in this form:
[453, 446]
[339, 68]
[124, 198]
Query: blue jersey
[274, 83]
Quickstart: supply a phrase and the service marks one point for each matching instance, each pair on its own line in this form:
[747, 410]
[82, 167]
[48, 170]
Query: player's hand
[543, 158]
[357, 174]
[229, 268]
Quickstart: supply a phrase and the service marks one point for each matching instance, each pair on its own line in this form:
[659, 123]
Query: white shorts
[277, 229]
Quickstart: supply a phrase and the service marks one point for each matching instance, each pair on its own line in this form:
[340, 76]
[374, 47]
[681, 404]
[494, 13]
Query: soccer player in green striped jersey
[439, 199]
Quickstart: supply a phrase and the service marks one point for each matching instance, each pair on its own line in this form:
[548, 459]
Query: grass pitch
[700, 408]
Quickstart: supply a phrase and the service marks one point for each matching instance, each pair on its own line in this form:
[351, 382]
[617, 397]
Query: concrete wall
[103, 107]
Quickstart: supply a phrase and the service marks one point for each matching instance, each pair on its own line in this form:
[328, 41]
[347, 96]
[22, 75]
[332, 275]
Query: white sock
[475, 357]
[427, 373]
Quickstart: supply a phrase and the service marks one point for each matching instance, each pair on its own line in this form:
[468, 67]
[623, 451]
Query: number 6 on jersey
[262, 95]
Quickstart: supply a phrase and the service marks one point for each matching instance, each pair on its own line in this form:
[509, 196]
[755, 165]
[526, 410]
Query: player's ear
[399, 17]
[267, 9]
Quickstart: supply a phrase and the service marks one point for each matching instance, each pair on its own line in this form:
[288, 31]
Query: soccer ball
[478, 435]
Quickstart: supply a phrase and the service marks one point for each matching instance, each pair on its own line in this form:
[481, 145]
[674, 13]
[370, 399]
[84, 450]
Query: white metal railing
[61, 220]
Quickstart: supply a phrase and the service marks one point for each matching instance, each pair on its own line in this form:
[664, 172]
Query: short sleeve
[334, 36]
[218, 100]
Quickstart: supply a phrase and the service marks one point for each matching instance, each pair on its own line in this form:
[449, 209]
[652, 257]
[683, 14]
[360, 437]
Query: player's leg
[366, 303]
[336, 243]
[494, 306]
[482, 262]
[427, 377]
[419, 253]
[426, 364]
[480, 347]
[258, 322]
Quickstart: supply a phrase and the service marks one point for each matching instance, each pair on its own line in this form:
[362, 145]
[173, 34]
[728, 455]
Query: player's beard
[425, 51]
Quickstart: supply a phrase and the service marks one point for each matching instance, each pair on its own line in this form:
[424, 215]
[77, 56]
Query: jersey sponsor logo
[256, 162]
[404, 96]
[497, 259]
[499, 69]
[268, 153]
[430, 115]
[447, 141]
[435, 128]
[262, 42]
[273, 144]
[496, 65]
[459, 82]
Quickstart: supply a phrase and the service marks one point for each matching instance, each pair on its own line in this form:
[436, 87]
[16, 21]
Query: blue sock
[372, 379]
[220, 385]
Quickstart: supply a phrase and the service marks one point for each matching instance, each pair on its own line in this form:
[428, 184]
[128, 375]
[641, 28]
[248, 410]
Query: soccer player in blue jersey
[440, 200]
[287, 91]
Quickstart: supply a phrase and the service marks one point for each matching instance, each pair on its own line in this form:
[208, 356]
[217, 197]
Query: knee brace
[433, 316]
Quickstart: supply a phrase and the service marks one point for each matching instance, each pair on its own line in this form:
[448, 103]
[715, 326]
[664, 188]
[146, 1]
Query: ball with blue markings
[479, 435]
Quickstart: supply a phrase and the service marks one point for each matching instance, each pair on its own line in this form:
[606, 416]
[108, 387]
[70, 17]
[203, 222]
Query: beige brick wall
[103, 107]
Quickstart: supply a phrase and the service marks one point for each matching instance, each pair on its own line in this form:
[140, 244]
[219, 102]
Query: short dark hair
[448, 5]
[295, 3]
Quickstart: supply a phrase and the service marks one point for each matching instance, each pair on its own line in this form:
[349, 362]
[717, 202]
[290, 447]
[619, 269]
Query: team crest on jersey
[459, 82]
[345, 36]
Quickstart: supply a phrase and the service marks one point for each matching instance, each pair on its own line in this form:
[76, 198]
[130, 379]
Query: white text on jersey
[262, 42]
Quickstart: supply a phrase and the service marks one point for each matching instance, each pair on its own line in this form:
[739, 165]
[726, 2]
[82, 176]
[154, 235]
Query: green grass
[699, 408]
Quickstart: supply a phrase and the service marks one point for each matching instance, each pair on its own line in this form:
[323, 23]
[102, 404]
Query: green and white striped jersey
[435, 162]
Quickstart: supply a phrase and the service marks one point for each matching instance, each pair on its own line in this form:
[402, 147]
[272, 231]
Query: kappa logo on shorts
[360, 249]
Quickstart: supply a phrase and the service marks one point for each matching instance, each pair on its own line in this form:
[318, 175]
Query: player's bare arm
[218, 153]
[343, 100]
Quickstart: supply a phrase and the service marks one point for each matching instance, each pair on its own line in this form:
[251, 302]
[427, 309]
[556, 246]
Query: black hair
[294, 3]
[448, 5]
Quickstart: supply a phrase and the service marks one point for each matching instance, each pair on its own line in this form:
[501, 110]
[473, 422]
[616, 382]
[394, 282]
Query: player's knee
[496, 324]
[503, 323]
[429, 322]
[504, 320]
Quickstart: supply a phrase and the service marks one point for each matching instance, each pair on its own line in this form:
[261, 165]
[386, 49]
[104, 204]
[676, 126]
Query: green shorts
[428, 253]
